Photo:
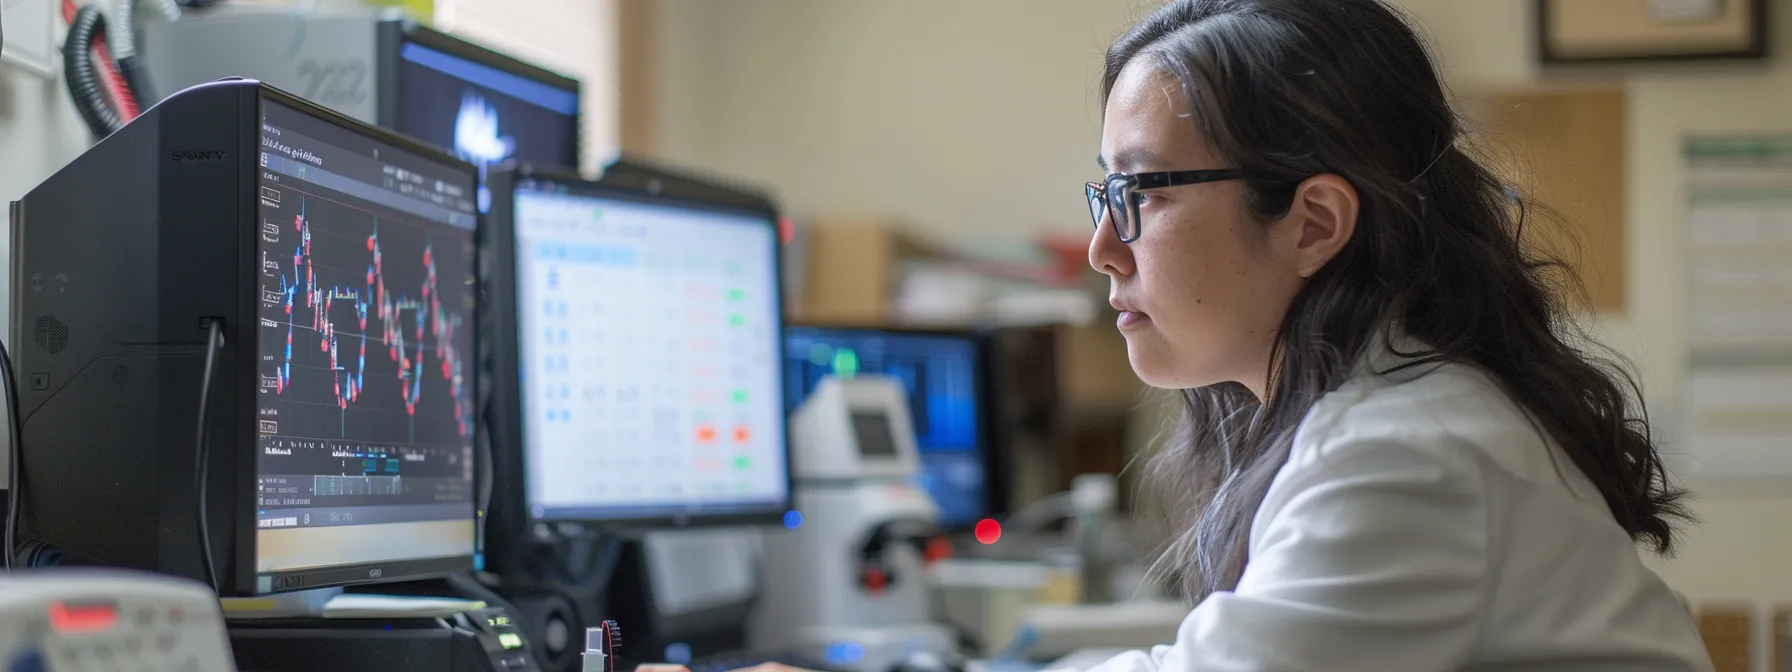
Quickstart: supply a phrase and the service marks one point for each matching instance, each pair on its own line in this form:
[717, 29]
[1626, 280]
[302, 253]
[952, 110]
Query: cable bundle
[107, 88]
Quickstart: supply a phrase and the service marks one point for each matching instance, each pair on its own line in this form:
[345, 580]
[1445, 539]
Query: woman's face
[1204, 288]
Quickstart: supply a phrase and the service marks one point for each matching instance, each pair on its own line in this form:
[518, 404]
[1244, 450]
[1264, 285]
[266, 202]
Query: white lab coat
[1423, 524]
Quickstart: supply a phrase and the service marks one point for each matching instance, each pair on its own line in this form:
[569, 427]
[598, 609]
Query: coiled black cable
[83, 80]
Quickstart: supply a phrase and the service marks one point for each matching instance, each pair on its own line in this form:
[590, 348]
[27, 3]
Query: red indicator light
[88, 618]
[988, 531]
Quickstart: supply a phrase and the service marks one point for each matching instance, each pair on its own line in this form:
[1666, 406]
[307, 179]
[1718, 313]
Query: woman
[1390, 458]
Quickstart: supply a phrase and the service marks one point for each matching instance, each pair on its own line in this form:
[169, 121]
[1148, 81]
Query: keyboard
[726, 662]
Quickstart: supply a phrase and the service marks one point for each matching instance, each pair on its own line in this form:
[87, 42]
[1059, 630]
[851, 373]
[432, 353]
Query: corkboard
[1728, 632]
[638, 76]
[1782, 628]
[1571, 31]
[1565, 150]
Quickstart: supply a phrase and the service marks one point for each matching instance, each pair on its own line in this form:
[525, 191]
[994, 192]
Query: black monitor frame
[501, 400]
[349, 574]
[996, 467]
[393, 35]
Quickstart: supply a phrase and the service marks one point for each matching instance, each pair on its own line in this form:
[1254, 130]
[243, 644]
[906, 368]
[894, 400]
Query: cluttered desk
[304, 393]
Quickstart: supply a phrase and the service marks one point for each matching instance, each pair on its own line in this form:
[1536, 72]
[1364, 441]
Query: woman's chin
[1155, 368]
[1150, 364]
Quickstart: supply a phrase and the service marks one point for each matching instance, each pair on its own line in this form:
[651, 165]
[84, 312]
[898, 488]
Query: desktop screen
[941, 374]
[483, 114]
[364, 411]
[648, 343]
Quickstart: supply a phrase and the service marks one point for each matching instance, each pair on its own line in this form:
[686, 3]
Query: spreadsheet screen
[650, 359]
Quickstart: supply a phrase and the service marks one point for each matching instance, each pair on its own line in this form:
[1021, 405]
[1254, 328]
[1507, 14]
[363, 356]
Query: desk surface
[1076, 661]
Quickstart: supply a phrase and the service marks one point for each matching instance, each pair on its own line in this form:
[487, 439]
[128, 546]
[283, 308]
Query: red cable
[114, 83]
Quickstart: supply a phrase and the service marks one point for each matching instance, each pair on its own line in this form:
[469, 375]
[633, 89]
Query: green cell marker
[846, 363]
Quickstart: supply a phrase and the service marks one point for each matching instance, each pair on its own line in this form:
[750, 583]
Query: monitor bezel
[389, 63]
[995, 467]
[510, 505]
[242, 575]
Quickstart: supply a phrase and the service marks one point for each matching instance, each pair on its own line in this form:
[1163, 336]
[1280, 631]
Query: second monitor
[945, 376]
[642, 335]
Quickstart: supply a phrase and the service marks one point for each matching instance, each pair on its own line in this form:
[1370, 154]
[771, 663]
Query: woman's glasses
[1119, 195]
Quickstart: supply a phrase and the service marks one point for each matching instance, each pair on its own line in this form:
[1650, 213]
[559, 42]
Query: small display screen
[874, 436]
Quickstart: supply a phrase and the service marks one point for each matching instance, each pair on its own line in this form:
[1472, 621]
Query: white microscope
[847, 583]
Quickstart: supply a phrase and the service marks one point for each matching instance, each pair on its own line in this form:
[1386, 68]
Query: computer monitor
[337, 261]
[484, 106]
[945, 376]
[636, 373]
[381, 68]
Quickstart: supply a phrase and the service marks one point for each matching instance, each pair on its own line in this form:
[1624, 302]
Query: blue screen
[942, 374]
[485, 115]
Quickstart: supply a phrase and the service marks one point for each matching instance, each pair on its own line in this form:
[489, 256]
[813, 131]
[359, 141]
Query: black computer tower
[119, 260]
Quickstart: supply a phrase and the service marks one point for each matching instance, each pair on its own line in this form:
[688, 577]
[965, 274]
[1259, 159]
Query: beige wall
[946, 113]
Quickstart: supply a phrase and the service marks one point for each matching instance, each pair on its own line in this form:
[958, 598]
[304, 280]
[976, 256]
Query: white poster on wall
[1739, 304]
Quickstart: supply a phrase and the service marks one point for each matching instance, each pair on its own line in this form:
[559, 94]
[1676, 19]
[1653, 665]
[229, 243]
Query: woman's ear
[1320, 221]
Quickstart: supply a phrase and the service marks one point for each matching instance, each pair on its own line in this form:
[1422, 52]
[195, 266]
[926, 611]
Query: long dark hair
[1288, 89]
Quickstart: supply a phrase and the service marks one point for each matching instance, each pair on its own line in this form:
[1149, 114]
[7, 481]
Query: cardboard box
[849, 264]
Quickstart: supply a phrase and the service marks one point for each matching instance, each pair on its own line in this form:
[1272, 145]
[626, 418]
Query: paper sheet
[1739, 304]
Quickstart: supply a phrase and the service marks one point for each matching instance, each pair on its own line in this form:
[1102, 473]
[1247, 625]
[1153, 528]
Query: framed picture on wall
[1598, 31]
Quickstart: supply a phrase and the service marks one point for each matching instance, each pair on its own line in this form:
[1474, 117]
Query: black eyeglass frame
[1106, 196]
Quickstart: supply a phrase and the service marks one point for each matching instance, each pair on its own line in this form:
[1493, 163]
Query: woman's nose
[1107, 254]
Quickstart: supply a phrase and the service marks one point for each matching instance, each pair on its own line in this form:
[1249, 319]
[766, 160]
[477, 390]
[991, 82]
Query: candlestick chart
[366, 339]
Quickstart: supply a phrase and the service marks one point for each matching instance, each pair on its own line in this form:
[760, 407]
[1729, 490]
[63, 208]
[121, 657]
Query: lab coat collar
[1390, 352]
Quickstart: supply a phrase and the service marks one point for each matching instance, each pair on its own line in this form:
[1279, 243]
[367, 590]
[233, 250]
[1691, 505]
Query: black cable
[136, 77]
[482, 487]
[84, 85]
[13, 479]
[214, 341]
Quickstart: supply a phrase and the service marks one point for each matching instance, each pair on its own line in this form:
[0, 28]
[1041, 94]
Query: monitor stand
[330, 628]
[334, 603]
[297, 604]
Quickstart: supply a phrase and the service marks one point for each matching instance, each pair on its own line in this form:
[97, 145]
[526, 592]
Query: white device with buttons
[847, 583]
[76, 620]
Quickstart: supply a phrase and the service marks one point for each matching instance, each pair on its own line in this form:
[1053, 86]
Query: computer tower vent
[52, 334]
[121, 376]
